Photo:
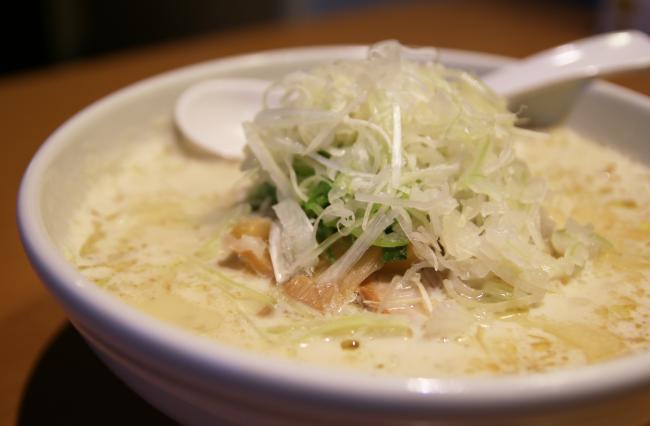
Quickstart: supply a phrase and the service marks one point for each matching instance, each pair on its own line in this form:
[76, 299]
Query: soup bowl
[199, 381]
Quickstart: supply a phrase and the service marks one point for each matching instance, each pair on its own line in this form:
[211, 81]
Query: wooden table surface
[42, 361]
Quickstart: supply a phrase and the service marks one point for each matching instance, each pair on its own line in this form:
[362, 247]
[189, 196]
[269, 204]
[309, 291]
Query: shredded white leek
[339, 268]
[396, 154]
[291, 240]
[408, 142]
[365, 323]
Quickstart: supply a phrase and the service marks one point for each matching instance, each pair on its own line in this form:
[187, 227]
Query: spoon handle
[599, 55]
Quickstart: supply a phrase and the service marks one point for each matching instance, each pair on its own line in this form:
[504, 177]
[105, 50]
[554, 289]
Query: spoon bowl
[209, 114]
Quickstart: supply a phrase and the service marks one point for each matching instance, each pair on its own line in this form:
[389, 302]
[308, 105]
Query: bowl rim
[203, 359]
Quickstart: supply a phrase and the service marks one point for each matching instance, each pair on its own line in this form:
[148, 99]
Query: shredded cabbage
[398, 146]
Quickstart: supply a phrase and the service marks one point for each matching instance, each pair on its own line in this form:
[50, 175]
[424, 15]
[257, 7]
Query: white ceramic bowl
[197, 381]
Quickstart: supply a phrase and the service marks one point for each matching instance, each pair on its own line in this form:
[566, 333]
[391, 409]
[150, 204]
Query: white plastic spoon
[587, 58]
[209, 114]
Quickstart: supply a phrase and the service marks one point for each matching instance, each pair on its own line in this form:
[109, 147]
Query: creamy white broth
[149, 232]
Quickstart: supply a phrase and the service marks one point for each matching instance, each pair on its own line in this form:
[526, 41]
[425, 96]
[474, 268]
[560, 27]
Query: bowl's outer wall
[89, 144]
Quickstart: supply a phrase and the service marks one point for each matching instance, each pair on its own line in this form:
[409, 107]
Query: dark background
[41, 32]
[37, 33]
